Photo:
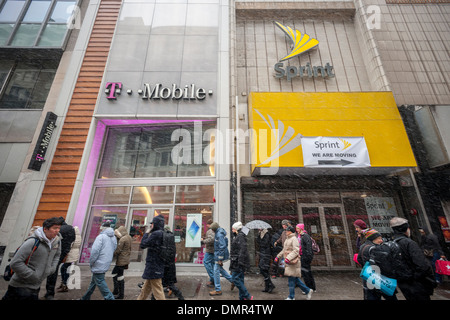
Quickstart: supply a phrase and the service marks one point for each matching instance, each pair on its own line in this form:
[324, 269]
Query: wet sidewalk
[331, 285]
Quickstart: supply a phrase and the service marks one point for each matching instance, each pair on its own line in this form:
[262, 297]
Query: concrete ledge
[297, 10]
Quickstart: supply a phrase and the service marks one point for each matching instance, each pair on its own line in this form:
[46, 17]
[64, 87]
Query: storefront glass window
[195, 194]
[151, 152]
[153, 195]
[116, 216]
[112, 195]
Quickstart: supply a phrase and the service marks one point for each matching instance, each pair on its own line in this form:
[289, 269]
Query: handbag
[443, 267]
[376, 280]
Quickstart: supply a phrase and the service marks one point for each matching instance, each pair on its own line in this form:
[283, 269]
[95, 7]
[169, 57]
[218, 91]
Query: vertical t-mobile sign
[43, 142]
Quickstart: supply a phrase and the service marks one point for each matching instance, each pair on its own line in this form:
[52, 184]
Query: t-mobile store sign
[160, 92]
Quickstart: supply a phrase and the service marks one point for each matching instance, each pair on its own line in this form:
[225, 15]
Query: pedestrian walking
[239, 260]
[372, 238]
[290, 253]
[170, 272]
[154, 265]
[122, 256]
[265, 257]
[221, 254]
[359, 225]
[306, 256]
[102, 253]
[417, 281]
[276, 269]
[67, 233]
[429, 243]
[72, 257]
[34, 261]
[208, 259]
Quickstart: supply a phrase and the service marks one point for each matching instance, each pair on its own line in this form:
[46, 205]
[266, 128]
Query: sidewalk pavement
[330, 285]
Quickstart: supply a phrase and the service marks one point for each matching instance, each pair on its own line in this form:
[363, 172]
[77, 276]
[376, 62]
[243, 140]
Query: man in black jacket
[419, 282]
[265, 258]
[239, 260]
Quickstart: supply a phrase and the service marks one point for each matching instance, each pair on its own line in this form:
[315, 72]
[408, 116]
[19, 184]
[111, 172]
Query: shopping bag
[375, 280]
[443, 267]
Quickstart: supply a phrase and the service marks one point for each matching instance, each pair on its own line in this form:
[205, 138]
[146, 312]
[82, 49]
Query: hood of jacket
[221, 232]
[120, 232]
[41, 235]
[108, 231]
[158, 223]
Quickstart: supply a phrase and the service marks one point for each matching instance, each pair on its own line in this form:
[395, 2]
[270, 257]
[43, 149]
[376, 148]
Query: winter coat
[154, 265]
[429, 242]
[265, 249]
[74, 252]
[276, 249]
[417, 265]
[221, 252]
[239, 258]
[290, 251]
[123, 250]
[67, 233]
[42, 263]
[102, 251]
[170, 271]
[209, 241]
[307, 253]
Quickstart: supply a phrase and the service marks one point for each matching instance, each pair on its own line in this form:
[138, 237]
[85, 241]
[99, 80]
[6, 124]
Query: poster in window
[193, 230]
[380, 211]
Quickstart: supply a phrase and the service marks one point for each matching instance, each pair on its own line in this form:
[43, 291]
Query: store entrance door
[325, 223]
[138, 219]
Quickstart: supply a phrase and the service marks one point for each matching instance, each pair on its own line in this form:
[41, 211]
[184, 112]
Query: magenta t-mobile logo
[112, 88]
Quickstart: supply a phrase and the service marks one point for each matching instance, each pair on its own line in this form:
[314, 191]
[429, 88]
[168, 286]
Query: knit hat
[237, 226]
[301, 226]
[285, 222]
[399, 224]
[371, 234]
[360, 223]
[214, 226]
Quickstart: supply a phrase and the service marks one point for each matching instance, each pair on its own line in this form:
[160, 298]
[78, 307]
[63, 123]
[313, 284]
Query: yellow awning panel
[373, 116]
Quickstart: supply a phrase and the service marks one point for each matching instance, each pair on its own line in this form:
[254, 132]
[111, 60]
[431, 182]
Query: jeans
[293, 282]
[219, 270]
[64, 273]
[238, 279]
[98, 279]
[21, 294]
[208, 262]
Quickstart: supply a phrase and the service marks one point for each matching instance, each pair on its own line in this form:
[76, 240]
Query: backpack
[168, 250]
[315, 246]
[388, 257]
[8, 273]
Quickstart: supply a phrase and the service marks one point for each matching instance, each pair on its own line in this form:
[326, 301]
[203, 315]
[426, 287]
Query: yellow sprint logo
[300, 42]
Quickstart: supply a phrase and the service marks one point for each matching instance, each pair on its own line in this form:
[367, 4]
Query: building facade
[316, 112]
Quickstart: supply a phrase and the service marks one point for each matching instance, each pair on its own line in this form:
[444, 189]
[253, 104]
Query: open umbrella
[258, 224]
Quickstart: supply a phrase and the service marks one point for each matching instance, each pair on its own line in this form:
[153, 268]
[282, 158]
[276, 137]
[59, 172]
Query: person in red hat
[359, 225]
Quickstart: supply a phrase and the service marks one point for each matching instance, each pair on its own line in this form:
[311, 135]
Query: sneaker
[215, 293]
[308, 296]
[289, 298]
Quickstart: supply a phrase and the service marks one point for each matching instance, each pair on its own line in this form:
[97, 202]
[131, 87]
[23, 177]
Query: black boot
[271, 287]
[116, 286]
[121, 290]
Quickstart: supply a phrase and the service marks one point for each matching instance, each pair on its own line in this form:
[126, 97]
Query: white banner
[193, 230]
[380, 211]
[336, 152]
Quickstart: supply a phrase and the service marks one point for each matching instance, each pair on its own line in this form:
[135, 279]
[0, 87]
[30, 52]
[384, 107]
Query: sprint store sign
[335, 152]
